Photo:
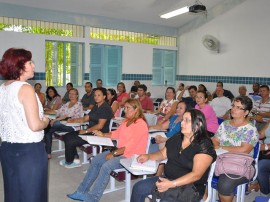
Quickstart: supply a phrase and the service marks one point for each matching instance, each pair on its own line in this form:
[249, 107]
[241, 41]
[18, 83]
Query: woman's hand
[143, 158]
[71, 120]
[82, 132]
[164, 184]
[109, 156]
[160, 139]
[52, 122]
[98, 133]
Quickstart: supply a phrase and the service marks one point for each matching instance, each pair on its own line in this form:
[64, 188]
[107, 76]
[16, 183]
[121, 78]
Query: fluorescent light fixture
[175, 12]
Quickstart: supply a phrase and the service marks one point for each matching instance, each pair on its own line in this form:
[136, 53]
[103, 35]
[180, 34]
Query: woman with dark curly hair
[54, 101]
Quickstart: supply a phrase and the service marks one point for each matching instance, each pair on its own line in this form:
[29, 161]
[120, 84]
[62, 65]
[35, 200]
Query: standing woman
[207, 110]
[122, 96]
[23, 157]
[54, 101]
[41, 95]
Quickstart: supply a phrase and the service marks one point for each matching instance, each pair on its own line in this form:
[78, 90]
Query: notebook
[96, 140]
[150, 165]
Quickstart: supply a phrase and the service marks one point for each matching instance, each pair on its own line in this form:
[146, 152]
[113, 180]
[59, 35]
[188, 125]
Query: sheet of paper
[221, 151]
[162, 134]
[96, 140]
[149, 165]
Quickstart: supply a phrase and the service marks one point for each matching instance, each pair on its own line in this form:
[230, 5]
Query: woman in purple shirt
[207, 110]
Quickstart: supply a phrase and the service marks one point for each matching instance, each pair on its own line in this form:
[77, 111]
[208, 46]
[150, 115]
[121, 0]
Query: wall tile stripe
[195, 78]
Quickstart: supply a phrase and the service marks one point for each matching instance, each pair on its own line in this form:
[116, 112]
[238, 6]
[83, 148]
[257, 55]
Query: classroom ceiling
[145, 11]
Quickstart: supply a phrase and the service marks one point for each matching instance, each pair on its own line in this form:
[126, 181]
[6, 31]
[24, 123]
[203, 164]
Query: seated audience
[65, 99]
[264, 163]
[207, 110]
[221, 104]
[146, 102]
[41, 95]
[226, 93]
[190, 155]
[255, 95]
[167, 106]
[88, 100]
[242, 90]
[235, 135]
[122, 96]
[202, 87]
[132, 138]
[99, 119]
[99, 84]
[53, 101]
[134, 88]
[191, 100]
[72, 109]
[262, 108]
[181, 92]
[112, 101]
[173, 126]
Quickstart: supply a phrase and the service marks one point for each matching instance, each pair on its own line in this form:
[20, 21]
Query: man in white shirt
[182, 92]
[221, 104]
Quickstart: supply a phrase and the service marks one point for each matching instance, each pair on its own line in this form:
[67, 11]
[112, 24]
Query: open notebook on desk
[149, 165]
[96, 140]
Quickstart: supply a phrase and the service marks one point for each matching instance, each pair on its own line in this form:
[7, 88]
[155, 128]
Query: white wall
[244, 35]
[137, 58]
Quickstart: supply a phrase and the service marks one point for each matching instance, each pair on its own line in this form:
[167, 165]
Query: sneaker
[73, 165]
[77, 196]
[77, 161]
[63, 162]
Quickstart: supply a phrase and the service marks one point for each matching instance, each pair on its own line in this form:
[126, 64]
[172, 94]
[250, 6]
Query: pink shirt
[121, 96]
[210, 116]
[146, 103]
[133, 137]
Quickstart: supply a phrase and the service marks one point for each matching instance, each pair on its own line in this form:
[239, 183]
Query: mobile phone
[153, 140]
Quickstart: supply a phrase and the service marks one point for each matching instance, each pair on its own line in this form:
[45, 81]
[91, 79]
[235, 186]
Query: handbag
[186, 193]
[233, 163]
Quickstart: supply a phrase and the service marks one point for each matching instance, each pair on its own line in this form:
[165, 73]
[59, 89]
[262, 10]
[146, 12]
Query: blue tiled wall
[136, 77]
[225, 79]
[196, 78]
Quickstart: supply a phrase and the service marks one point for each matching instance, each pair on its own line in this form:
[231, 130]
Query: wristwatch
[266, 147]
[114, 153]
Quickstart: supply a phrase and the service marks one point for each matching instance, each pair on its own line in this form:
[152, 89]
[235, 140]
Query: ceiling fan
[198, 7]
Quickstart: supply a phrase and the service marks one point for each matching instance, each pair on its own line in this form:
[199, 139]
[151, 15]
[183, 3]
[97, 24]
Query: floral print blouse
[76, 111]
[229, 135]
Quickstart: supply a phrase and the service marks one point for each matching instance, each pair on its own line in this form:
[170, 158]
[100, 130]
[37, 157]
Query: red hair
[13, 63]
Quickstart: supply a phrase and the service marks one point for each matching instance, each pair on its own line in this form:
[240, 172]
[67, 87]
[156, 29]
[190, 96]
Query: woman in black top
[99, 119]
[189, 155]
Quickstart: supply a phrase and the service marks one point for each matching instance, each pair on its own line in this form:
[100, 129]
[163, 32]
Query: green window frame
[64, 63]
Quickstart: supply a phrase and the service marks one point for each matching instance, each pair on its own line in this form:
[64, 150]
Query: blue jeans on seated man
[57, 126]
[98, 176]
[263, 175]
[142, 189]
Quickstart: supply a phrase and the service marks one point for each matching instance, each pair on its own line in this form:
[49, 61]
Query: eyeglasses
[199, 97]
[186, 120]
[238, 107]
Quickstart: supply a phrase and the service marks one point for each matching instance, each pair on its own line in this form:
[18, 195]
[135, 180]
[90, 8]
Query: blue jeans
[98, 176]
[57, 126]
[142, 189]
[263, 175]
[25, 172]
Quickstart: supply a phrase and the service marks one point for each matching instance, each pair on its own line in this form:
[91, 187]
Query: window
[164, 67]
[64, 63]
[106, 63]
[131, 37]
[40, 27]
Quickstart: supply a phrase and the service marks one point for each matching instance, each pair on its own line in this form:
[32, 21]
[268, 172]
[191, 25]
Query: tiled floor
[63, 181]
